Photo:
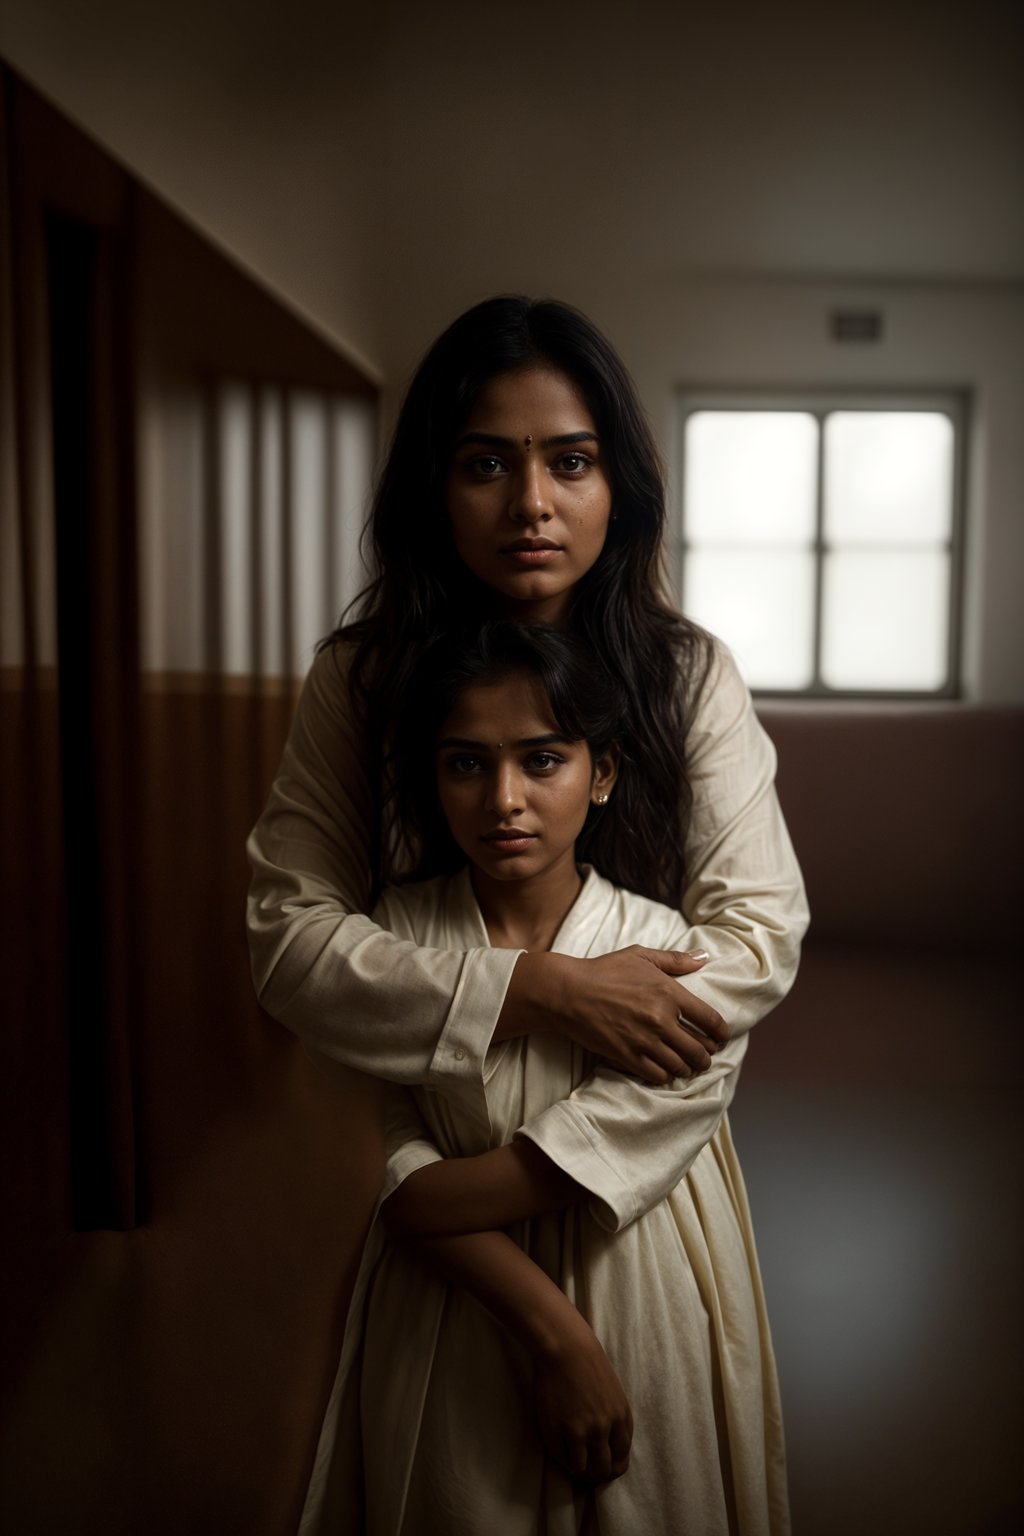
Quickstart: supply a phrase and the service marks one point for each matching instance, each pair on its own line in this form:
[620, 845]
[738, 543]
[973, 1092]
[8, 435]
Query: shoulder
[723, 693]
[326, 685]
[324, 710]
[723, 717]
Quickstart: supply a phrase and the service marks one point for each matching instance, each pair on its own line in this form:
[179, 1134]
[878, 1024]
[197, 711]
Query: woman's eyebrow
[491, 440]
[552, 739]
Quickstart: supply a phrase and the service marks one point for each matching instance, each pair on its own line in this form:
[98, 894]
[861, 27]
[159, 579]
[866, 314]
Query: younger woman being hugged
[558, 1324]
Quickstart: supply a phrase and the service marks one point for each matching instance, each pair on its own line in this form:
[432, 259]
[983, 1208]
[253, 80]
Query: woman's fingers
[584, 1418]
[682, 1035]
[676, 962]
[627, 1008]
[599, 1458]
[574, 1456]
[654, 1073]
[666, 1049]
[607, 1451]
[695, 1011]
[619, 1443]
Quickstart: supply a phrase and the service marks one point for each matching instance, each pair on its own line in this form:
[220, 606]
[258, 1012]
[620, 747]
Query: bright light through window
[819, 542]
[750, 477]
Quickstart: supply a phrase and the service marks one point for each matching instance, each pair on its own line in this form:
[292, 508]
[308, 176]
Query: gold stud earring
[602, 799]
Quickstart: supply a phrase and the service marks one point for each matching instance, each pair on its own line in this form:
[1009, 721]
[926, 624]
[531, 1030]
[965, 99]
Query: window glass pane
[885, 619]
[762, 605]
[750, 476]
[888, 477]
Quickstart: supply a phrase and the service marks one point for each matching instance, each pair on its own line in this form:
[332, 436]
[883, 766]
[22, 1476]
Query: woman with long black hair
[522, 481]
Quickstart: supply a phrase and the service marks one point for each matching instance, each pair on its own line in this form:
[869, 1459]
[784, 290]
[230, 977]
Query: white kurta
[391, 1008]
[430, 1428]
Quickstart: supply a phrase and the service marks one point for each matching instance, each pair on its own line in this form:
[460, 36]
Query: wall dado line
[43, 680]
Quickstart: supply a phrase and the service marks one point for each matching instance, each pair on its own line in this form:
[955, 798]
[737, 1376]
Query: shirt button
[460, 1054]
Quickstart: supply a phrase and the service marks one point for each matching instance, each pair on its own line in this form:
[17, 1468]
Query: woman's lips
[531, 552]
[509, 841]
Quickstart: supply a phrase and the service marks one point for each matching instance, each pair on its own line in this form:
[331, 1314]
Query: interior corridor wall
[182, 1193]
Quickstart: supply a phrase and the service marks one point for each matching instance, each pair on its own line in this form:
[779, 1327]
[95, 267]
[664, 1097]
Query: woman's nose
[505, 792]
[531, 500]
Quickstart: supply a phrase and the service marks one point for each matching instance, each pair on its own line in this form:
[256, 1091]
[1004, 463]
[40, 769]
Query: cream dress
[430, 1428]
[412, 997]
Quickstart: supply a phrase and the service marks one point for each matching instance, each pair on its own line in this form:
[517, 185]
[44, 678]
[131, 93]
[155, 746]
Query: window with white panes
[821, 538]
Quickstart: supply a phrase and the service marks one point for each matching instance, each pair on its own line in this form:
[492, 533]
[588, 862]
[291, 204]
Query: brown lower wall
[908, 819]
[170, 1378]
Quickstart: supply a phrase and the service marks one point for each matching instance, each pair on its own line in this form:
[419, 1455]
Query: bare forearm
[583, 1416]
[537, 996]
[515, 1290]
[477, 1194]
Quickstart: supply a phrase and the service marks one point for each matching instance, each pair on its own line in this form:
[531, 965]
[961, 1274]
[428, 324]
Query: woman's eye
[543, 762]
[574, 463]
[463, 765]
[486, 467]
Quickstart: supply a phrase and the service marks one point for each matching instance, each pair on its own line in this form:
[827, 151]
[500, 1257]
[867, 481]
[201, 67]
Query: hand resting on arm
[583, 1417]
[624, 1007]
[448, 1207]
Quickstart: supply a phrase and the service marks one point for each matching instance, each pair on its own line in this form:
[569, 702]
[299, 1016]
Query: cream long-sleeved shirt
[430, 1425]
[416, 1015]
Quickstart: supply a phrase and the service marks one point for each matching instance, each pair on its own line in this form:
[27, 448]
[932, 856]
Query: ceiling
[380, 165]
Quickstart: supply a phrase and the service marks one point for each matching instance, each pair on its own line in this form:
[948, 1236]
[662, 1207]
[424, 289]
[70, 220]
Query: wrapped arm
[744, 901]
[460, 1195]
[629, 1144]
[407, 1146]
[616, 1144]
[382, 1004]
[349, 988]
[582, 1414]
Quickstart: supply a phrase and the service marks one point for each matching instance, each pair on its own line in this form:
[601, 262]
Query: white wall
[252, 122]
[579, 149]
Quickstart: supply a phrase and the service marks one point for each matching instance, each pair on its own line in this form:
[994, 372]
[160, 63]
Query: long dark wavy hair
[422, 591]
[586, 704]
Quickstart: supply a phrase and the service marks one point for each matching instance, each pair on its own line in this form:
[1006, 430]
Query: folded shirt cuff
[566, 1138]
[404, 1161]
[458, 1059]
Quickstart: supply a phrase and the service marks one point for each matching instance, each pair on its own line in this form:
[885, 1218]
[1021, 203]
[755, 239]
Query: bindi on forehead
[527, 441]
